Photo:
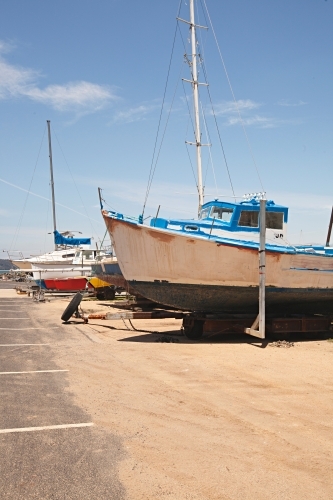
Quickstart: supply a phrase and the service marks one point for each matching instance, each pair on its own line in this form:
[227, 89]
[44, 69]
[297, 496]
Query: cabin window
[67, 255]
[248, 218]
[204, 213]
[88, 254]
[274, 220]
[221, 213]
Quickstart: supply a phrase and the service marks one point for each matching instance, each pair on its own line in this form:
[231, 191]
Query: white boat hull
[47, 271]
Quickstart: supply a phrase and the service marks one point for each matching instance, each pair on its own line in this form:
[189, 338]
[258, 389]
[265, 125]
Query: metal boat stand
[260, 319]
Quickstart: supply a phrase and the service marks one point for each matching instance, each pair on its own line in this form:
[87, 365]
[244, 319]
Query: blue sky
[97, 70]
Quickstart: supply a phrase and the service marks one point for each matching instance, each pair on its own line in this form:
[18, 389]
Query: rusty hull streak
[239, 248]
[166, 238]
[274, 256]
[116, 222]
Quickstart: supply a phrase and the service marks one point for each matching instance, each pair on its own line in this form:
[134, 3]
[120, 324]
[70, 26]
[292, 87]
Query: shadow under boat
[108, 270]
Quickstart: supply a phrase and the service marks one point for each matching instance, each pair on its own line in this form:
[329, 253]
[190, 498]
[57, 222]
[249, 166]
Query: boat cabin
[87, 256]
[244, 216]
[232, 220]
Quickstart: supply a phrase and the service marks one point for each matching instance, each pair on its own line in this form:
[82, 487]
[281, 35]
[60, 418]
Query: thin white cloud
[5, 47]
[135, 114]
[287, 103]
[81, 97]
[239, 113]
[260, 121]
[13, 79]
[73, 95]
[303, 202]
[228, 107]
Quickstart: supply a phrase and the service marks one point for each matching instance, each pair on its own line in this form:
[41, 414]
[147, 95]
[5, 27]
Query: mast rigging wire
[47, 220]
[218, 130]
[160, 146]
[233, 96]
[47, 199]
[213, 111]
[209, 149]
[188, 153]
[19, 224]
[152, 167]
[84, 207]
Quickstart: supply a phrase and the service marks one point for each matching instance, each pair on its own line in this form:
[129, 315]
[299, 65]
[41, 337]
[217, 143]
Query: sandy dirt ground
[216, 419]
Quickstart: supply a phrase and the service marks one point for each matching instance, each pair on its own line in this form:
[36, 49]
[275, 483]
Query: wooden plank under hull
[226, 299]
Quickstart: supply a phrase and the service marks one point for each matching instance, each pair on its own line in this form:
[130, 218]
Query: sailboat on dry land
[210, 265]
[71, 256]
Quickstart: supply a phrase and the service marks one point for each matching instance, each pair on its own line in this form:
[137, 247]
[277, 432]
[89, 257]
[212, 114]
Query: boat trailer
[196, 326]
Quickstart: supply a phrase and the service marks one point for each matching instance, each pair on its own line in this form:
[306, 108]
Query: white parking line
[44, 428]
[35, 371]
[17, 345]
[41, 328]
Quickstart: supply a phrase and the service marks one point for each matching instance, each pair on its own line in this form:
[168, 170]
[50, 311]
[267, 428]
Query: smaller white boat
[79, 265]
[60, 256]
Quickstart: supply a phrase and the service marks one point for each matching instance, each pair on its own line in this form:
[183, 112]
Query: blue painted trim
[232, 226]
[194, 228]
[41, 284]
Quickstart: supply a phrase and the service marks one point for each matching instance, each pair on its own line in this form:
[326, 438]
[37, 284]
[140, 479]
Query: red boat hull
[67, 284]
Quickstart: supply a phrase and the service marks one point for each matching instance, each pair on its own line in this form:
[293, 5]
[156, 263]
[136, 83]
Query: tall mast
[52, 181]
[195, 86]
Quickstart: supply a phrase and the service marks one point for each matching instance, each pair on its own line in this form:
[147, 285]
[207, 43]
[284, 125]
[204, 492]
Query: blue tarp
[59, 239]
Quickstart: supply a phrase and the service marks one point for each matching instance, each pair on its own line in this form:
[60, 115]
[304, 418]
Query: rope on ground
[136, 329]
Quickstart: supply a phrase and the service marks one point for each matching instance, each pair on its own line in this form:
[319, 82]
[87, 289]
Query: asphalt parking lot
[110, 410]
[50, 447]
